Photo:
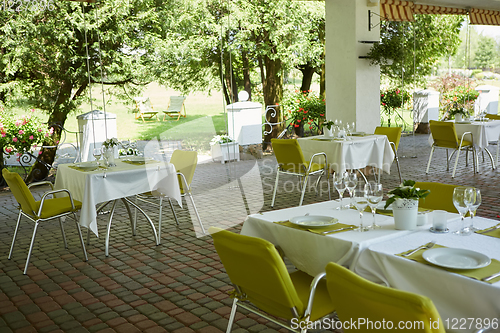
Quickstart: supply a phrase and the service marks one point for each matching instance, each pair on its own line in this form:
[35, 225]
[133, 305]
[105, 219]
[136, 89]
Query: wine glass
[351, 181]
[360, 195]
[375, 195]
[340, 186]
[460, 202]
[473, 200]
[97, 152]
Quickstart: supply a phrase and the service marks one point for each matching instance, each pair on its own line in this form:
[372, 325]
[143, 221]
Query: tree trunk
[273, 92]
[230, 80]
[58, 116]
[307, 75]
[247, 84]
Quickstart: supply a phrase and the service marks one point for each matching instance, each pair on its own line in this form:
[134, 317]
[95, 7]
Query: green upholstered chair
[291, 161]
[47, 208]
[441, 196]
[445, 136]
[264, 286]
[394, 136]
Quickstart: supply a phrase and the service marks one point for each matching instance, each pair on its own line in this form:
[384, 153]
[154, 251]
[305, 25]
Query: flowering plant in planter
[220, 139]
[407, 190]
[392, 99]
[20, 135]
[110, 143]
[302, 108]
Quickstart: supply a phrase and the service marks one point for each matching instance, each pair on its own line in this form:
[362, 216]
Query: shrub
[304, 108]
[393, 98]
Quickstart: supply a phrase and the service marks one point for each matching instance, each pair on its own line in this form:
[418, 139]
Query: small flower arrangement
[329, 124]
[407, 190]
[220, 139]
[110, 143]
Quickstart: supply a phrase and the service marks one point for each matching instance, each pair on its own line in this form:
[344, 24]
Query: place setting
[318, 224]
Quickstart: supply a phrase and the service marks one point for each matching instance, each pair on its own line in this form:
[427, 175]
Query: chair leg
[275, 187]
[173, 211]
[159, 218]
[304, 187]
[232, 315]
[430, 158]
[15, 235]
[62, 232]
[31, 248]
[456, 163]
[197, 215]
[81, 238]
[399, 170]
[448, 160]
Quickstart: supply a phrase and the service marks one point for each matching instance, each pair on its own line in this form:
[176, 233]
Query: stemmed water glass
[460, 203]
[351, 181]
[97, 152]
[473, 200]
[360, 195]
[340, 186]
[375, 195]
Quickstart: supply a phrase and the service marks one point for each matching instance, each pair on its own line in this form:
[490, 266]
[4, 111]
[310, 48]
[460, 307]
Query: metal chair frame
[39, 220]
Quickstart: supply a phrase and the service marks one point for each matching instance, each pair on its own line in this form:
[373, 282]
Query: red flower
[305, 112]
[298, 120]
[296, 125]
[383, 104]
[381, 95]
[322, 114]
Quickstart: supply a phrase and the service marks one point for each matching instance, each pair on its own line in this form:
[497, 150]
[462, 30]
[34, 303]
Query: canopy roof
[484, 12]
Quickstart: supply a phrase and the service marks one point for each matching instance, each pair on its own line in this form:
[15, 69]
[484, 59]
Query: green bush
[479, 76]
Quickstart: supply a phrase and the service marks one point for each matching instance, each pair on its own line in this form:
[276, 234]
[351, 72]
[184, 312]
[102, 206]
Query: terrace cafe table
[310, 252]
[454, 295]
[357, 152]
[119, 182]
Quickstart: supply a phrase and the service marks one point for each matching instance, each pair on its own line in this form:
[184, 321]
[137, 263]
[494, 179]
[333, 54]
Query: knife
[332, 231]
[491, 277]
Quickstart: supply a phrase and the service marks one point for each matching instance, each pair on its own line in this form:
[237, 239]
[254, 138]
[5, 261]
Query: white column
[352, 84]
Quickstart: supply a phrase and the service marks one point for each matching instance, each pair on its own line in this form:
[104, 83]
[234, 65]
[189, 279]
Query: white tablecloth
[455, 296]
[355, 153]
[310, 252]
[121, 181]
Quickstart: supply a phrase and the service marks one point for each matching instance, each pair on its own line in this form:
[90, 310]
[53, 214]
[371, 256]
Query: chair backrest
[176, 103]
[143, 104]
[444, 133]
[354, 297]
[255, 267]
[185, 162]
[21, 192]
[441, 196]
[393, 134]
[493, 116]
[289, 154]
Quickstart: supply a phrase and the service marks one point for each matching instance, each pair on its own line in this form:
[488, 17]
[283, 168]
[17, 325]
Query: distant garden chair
[175, 107]
[143, 108]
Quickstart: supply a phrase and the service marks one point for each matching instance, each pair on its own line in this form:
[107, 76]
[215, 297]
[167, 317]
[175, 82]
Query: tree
[45, 53]
[415, 47]
[485, 55]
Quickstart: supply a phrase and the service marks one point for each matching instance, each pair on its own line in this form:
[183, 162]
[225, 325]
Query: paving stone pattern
[179, 286]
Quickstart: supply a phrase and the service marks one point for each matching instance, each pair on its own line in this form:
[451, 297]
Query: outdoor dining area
[129, 266]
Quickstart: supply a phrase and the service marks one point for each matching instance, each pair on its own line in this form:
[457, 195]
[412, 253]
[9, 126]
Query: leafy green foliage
[424, 41]
[457, 94]
[407, 190]
[485, 55]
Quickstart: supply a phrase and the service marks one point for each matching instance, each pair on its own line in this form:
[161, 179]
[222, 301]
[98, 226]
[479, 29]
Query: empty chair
[394, 136]
[176, 107]
[185, 164]
[495, 117]
[144, 109]
[441, 196]
[45, 209]
[354, 297]
[291, 161]
[445, 136]
[263, 285]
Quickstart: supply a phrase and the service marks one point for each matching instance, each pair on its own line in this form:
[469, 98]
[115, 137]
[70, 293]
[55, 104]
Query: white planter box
[225, 152]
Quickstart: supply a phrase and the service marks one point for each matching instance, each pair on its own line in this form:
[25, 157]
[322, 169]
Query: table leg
[147, 218]
[493, 166]
[132, 222]
[106, 250]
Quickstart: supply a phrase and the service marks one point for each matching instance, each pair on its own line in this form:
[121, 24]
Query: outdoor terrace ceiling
[480, 4]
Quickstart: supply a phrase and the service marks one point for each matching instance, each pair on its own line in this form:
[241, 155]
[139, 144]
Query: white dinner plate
[381, 206]
[456, 258]
[138, 159]
[358, 133]
[462, 122]
[313, 221]
[87, 166]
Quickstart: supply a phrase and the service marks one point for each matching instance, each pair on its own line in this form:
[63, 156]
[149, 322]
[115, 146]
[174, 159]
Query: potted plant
[328, 128]
[304, 110]
[458, 111]
[224, 148]
[404, 200]
[108, 151]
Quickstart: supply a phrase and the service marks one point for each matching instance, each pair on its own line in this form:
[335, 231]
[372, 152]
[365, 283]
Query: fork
[489, 229]
[425, 247]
